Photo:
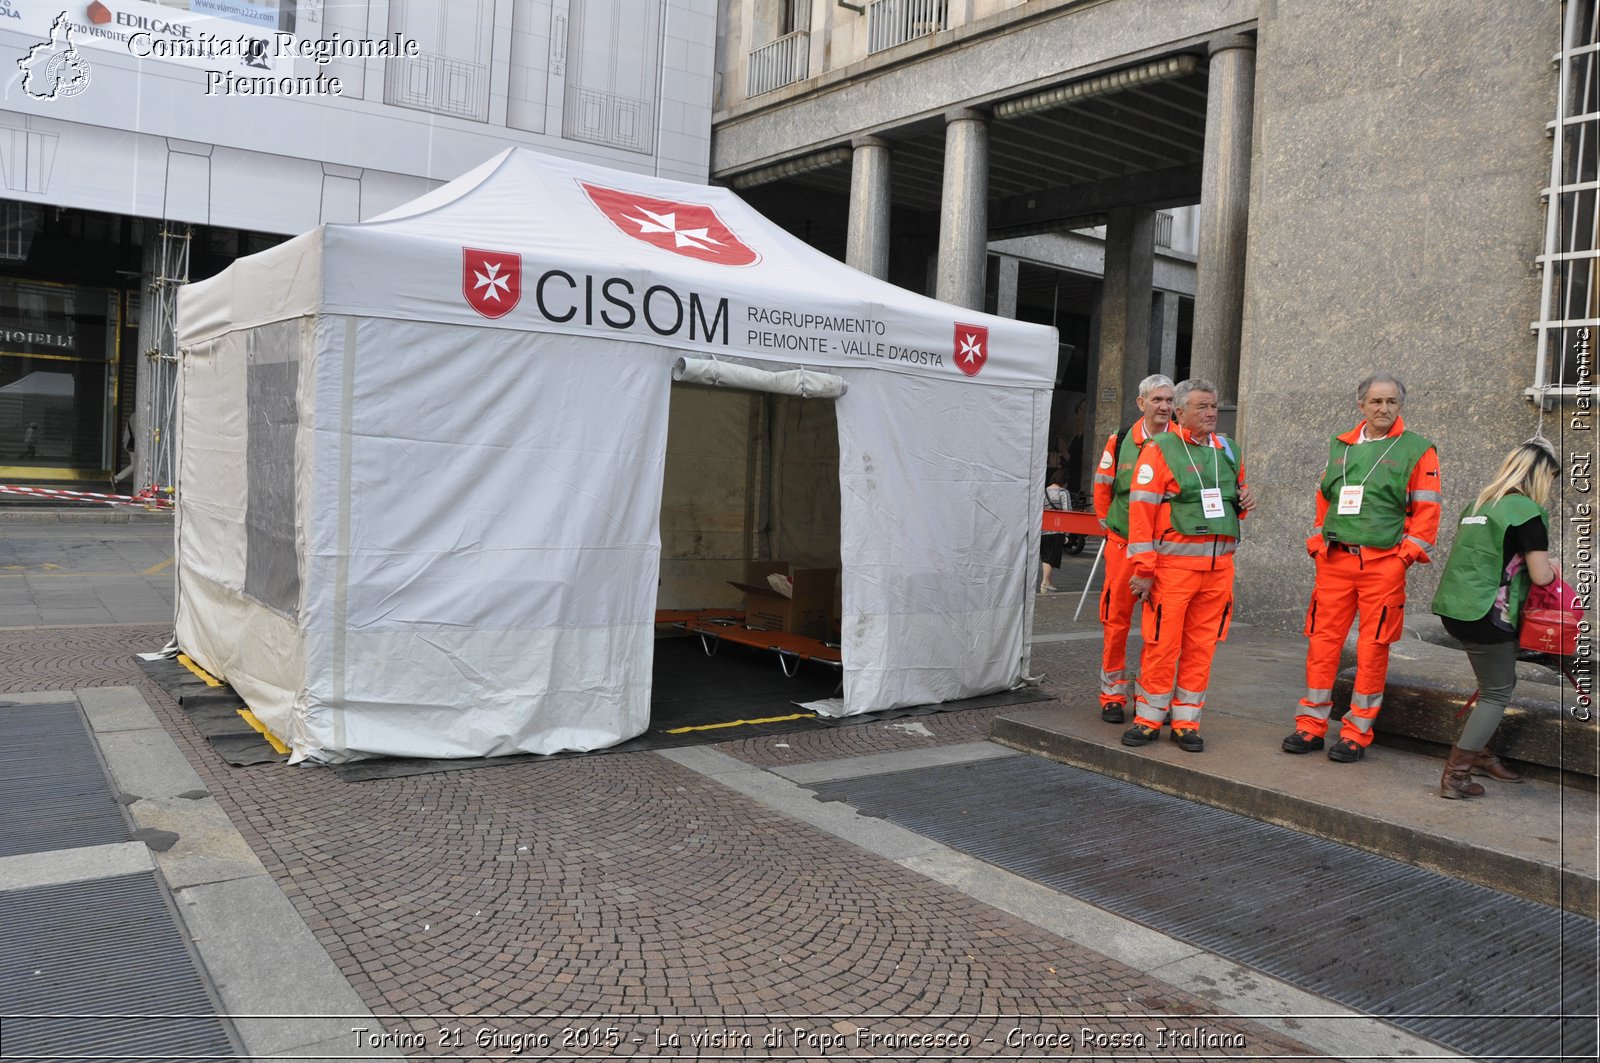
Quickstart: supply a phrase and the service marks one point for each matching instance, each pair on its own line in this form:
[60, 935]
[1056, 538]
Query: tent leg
[783, 662]
[1098, 554]
[709, 644]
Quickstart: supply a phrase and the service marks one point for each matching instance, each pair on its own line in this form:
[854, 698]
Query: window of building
[451, 75]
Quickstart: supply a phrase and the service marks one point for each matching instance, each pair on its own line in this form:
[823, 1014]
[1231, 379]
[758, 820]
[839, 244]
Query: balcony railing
[1163, 229]
[782, 62]
[892, 22]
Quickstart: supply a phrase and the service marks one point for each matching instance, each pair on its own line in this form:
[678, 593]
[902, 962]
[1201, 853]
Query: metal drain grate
[75, 955]
[53, 791]
[1476, 970]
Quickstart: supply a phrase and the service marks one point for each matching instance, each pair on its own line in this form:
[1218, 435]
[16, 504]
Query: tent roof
[531, 241]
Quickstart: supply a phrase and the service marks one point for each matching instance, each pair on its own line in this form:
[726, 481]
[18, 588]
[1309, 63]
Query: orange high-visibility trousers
[1347, 584]
[1116, 618]
[1187, 615]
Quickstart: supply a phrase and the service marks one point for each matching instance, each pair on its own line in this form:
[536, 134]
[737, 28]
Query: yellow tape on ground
[743, 723]
[210, 680]
[272, 739]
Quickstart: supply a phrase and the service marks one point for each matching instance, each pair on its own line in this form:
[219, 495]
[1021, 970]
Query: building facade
[1399, 187]
[147, 143]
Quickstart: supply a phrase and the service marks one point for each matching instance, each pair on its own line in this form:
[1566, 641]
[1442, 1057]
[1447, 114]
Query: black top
[1523, 539]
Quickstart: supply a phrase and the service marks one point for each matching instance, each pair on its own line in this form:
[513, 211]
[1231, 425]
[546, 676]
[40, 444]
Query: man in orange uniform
[1184, 508]
[1377, 515]
[1112, 480]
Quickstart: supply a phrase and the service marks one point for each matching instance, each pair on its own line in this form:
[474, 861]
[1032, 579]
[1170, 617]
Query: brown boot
[1457, 779]
[1486, 763]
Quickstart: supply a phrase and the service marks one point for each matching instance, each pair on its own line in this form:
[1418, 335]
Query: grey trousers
[1495, 665]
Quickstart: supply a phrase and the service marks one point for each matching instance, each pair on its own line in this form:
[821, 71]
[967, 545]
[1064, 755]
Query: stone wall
[1394, 221]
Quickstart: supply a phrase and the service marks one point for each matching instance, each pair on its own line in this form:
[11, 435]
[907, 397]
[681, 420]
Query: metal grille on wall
[1569, 305]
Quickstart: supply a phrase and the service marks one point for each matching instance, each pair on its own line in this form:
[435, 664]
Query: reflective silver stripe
[1159, 702]
[1367, 701]
[1114, 683]
[1316, 712]
[1197, 698]
[1135, 549]
[1314, 533]
[1360, 723]
[1145, 496]
[1425, 496]
[1103, 478]
[1317, 698]
[1184, 713]
[1178, 549]
[1427, 547]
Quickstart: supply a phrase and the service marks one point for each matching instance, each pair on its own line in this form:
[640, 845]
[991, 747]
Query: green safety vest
[1386, 483]
[1127, 456]
[1186, 511]
[1473, 575]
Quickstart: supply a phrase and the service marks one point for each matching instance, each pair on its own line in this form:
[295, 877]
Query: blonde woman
[1502, 547]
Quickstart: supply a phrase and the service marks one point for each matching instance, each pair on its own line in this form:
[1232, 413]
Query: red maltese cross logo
[972, 347]
[491, 281]
[689, 229]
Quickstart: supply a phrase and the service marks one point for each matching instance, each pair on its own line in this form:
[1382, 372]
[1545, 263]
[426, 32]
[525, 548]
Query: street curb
[54, 515]
[1505, 872]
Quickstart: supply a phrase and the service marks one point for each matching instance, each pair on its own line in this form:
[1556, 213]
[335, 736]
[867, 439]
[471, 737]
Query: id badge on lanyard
[1211, 501]
[1350, 499]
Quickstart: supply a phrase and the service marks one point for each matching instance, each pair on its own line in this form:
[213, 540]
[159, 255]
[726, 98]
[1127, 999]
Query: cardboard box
[809, 612]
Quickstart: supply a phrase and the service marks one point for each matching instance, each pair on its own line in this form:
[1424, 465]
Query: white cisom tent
[420, 481]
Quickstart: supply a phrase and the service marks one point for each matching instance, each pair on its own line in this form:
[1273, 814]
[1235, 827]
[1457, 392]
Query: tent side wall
[940, 493]
[238, 578]
[483, 539]
[244, 339]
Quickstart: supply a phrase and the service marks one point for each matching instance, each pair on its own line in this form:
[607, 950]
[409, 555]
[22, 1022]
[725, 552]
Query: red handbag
[1550, 618]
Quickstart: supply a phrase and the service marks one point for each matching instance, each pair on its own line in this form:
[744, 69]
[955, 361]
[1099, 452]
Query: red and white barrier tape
[146, 498]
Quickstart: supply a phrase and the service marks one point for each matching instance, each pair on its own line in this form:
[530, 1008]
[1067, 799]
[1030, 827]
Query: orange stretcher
[1071, 522]
[792, 650]
[683, 616]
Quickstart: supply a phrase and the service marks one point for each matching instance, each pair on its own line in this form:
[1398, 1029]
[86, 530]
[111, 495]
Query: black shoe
[1302, 742]
[1189, 740]
[1111, 711]
[1139, 735]
[1346, 751]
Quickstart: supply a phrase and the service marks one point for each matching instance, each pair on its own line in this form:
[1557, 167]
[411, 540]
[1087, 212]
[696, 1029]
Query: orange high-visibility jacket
[1105, 474]
[1151, 535]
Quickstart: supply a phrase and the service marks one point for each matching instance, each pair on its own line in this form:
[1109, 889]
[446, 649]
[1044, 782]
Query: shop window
[58, 356]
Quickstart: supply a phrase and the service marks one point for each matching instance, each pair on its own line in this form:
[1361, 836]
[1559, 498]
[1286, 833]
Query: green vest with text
[1127, 457]
[1193, 466]
[1383, 469]
[1472, 576]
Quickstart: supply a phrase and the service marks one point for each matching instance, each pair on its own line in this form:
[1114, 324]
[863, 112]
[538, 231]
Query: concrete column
[1224, 213]
[1096, 425]
[867, 245]
[1164, 334]
[1124, 315]
[143, 383]
[1006, 293]
[964, 209]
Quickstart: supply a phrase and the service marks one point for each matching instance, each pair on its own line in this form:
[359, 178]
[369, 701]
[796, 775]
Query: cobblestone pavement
[625, 896]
